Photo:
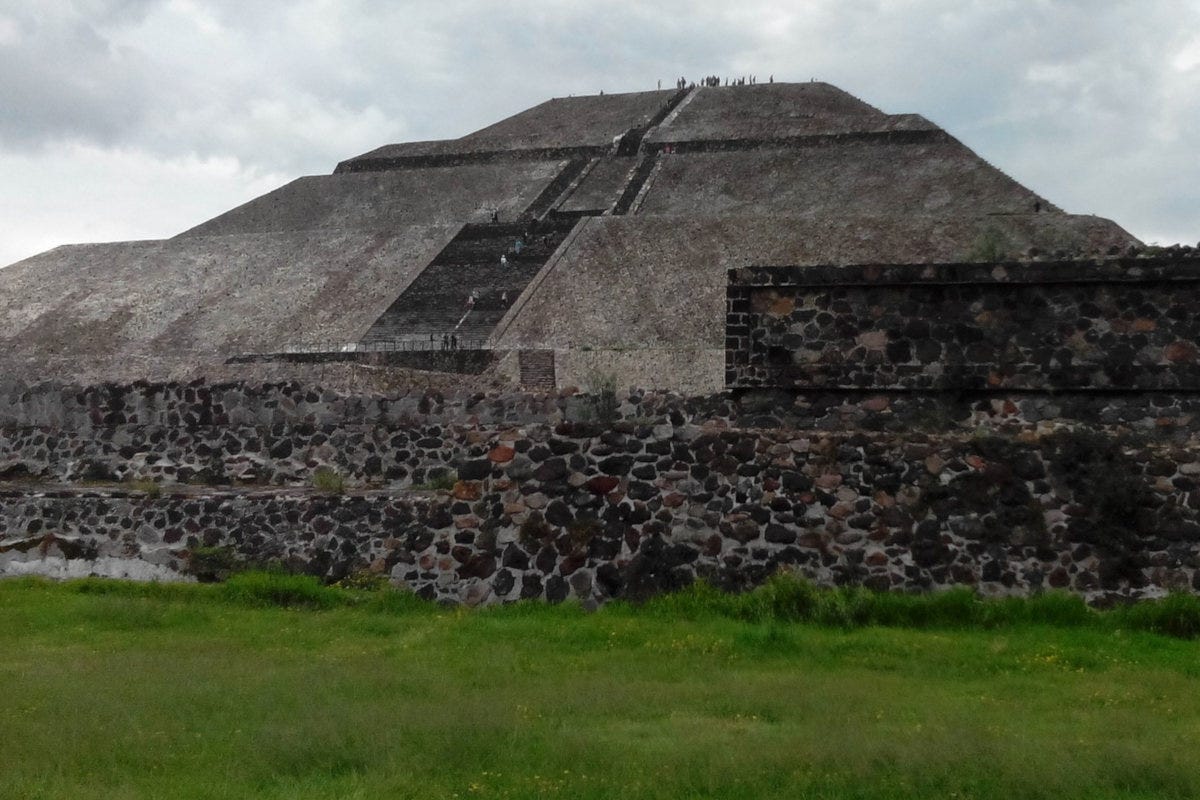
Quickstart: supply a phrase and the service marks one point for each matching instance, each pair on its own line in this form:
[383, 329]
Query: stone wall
[607, 496]
[1127, 324]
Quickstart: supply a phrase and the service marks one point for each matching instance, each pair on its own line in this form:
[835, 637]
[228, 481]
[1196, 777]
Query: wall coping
[1173, 269]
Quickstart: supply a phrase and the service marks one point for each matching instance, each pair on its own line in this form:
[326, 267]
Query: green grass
[275, 686]
[328, 480]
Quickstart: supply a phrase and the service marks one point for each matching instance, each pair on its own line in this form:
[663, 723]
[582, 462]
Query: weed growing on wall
[214, 564]
[990, 246]
[534, 531]
[148, 486]
[443, 481]
[327, 479]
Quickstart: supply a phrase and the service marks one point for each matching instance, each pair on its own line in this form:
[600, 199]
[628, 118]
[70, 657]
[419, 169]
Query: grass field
[112, 690]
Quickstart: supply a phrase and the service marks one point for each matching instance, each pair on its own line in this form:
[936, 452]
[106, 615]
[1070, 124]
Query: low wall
[279, 434]
[1124, 324]
[631, 506]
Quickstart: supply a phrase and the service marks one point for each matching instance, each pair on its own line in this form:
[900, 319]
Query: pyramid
[617, 217]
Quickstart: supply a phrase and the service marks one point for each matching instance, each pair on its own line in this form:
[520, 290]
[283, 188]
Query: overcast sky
[132, 119]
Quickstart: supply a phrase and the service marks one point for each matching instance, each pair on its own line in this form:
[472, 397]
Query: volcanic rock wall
[1117, 324]
[607, 496]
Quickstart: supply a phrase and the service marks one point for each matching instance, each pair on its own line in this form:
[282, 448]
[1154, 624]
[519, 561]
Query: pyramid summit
[584, 237]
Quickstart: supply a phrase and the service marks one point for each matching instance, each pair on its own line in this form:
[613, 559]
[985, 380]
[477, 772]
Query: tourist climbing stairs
[466, 290]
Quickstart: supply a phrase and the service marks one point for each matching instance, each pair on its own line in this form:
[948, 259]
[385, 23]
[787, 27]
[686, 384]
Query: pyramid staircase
[434, 311]
[435, 305]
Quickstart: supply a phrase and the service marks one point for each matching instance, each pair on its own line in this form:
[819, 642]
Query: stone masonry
[603, 496]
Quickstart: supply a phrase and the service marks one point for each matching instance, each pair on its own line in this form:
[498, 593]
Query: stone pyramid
[617, 217]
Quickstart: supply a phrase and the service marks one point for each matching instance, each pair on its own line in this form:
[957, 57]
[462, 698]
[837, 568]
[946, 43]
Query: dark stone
[616, 465]
[639, 490]
[778, 534]
[552, 469]
[559, 513]
[795, 481]
[546, 560]
[562, 447]
[475, 470]
[531, 587]
[503, 583]
[744, 530]
[609, 579]
[556, 589]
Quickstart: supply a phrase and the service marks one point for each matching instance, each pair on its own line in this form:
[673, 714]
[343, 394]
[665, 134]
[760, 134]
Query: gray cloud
[1096, 105]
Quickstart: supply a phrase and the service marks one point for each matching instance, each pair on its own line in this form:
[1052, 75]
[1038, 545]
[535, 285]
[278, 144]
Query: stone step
[536, 369]
[436, 301]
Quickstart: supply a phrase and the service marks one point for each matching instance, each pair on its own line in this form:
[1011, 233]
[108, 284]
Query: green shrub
[277, 589]
[953, 608]
[214, 564]
[1175, 615]
[784, 597]
[327, 479]
[699, 600]
[137, 589]
[94, 471]
[363, 580]
[989, 247]
[1057, 608]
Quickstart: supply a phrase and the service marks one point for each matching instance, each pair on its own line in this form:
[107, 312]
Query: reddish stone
[674, 500]
[876, 403]
[812, 540]
[1059, 578]
[877, 559]
[502, 455]
[975, 462]
[571, 563]
[467, 490]
[1180, 351]
[466, 522]
[603, 484]
[478, 566]
[830, 480]
[782, 307]
[1144, 325]
[744, 530]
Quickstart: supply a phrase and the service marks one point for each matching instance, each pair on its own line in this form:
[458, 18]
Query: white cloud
[10, 34]
[89, 194]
